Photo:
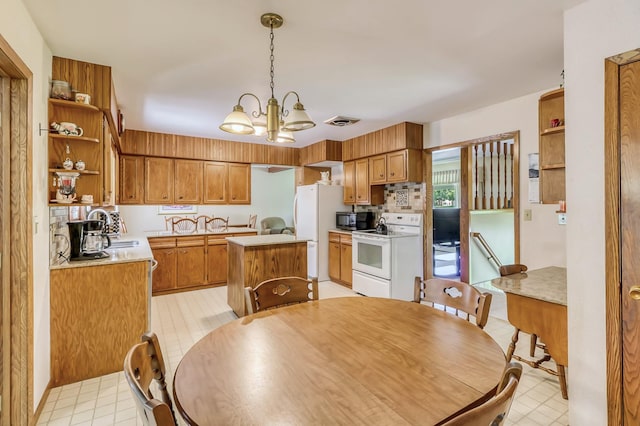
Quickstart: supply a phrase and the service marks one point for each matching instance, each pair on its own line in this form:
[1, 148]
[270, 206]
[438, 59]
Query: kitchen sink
[115, 244]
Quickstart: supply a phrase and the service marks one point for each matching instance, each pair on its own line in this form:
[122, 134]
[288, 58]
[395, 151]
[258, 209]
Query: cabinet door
[334, 260]
[345, 263]
[188, 182]
[131, 179]
[164, 277]
[239, 183]
[349, 182]
[217, 262]
[397, 166]
[378, 169]
[158, 180]
[191, 266]
[215, 183]
[362, 181]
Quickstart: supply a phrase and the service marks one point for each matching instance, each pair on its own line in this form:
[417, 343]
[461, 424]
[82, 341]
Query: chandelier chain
[271, 57]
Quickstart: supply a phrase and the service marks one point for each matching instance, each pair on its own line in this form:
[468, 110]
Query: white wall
[17, 28]
[496, 228]
[594, 30]
[542, 240]
[271, 195]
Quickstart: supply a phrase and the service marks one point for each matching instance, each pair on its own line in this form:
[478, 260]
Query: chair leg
[563, 381]
[512, 345]
[532, 349]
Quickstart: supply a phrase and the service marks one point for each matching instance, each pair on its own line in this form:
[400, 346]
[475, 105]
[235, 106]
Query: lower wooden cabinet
[190, 262]
[340, 262]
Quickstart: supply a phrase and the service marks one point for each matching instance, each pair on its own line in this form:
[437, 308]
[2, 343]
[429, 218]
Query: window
[445, 195]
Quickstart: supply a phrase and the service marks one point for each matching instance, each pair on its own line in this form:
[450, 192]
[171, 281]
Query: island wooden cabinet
[131, 179]
[340, 262]
[158, 180]
[164, 252]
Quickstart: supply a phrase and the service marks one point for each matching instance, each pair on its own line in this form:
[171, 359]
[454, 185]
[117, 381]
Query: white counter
[138, 253]
[265, 240]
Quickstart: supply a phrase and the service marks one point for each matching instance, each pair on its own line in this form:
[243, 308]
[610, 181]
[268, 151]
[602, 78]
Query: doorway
[472, 186]
[16, 360]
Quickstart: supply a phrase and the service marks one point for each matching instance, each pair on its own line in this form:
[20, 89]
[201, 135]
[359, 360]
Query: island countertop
[265, 240]
[548, 284]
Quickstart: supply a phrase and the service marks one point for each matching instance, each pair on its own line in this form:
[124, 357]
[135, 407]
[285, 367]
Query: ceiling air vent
[341, 121]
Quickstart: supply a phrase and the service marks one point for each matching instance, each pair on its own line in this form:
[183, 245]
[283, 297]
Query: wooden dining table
[350, 360]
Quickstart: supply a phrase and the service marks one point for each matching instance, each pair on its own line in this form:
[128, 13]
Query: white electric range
[385, 265]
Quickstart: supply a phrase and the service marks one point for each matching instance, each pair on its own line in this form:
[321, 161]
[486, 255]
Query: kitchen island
[99, 309]
[254, 259]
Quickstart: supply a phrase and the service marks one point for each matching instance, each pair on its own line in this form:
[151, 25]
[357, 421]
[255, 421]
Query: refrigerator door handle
[295, 211]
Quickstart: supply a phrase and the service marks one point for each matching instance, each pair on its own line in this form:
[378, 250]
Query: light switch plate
[527, 214]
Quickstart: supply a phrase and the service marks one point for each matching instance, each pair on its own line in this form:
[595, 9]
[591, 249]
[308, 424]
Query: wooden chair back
[252, 220]
[184, 225]
[216, 224]
[279, 292]
[461, 297]
[142, 365]
[516, 268]
[494, 411]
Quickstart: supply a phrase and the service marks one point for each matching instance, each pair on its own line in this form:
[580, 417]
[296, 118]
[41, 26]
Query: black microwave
[353, 221]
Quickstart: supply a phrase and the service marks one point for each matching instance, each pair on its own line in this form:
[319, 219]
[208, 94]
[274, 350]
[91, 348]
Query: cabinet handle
[393, 174]
[130, 196]
[381, 175]
[233, 198]
[180, 197]
[164, 197]
[634, 292]
[220, 198]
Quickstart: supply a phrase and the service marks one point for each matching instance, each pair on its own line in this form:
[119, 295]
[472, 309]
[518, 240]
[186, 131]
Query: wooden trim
[612, 242]
[17, 380]
[465, 178]
[41, 404]
[427, 173]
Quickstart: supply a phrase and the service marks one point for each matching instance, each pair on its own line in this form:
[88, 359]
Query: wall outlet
[527, 214]
[562, 219]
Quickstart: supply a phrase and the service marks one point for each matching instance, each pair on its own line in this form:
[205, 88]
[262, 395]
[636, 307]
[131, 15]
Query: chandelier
[277, 123]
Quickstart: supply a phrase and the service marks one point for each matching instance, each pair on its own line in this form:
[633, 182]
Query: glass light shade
[260, 125]
[298, 119]
[285, 137]
[237, 122]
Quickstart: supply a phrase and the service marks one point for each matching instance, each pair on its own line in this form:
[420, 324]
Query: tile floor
[189, 316]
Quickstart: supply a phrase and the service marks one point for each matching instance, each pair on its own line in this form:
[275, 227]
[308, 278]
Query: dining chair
[144, 364]
[252, 220]
[278, 292]
[494, 411]
[517, 268]
[216, 224]
[454, 295]
[184, 225]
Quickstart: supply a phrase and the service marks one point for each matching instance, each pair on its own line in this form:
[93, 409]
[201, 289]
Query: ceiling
[180, 66]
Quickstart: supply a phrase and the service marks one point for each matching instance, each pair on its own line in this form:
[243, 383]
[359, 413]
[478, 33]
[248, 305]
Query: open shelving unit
[551, 147]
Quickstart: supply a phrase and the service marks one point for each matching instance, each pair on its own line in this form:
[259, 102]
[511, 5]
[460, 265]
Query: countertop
[229, 230]
[138, 253]
[340, 231]
[548, 284]
[265, 240]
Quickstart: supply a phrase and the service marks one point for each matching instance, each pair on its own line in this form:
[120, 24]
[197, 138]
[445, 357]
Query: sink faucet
[109, 221]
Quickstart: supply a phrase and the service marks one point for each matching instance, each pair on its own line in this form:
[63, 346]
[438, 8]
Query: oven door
[372, 255]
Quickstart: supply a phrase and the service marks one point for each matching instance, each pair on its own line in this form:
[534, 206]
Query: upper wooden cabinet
[131, 179]
[318, 152]
[215, 182]
[158, 180]
[397, 137]
[395, 167]
[239, 183]
[188, 182]
[551, 148]
[357, 189]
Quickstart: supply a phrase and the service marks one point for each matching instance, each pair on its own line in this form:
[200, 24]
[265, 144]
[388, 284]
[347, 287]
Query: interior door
[630, 240]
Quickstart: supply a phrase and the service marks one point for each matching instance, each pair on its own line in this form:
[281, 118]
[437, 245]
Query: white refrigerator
[315, 208]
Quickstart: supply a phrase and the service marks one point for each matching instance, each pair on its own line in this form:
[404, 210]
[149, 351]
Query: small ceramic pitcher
[67, 164]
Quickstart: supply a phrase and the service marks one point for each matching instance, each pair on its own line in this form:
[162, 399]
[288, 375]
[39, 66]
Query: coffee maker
[87, 240]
